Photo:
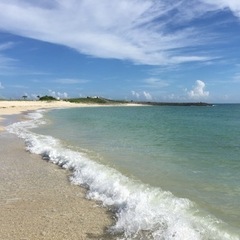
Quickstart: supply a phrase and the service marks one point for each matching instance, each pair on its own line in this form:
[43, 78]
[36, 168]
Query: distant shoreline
[197, 104]
[13, 107]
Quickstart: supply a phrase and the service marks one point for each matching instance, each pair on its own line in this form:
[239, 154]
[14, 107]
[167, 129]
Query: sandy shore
[16, 107]
[37, 200]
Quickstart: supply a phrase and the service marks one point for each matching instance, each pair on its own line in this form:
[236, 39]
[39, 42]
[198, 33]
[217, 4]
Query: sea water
[167, 172]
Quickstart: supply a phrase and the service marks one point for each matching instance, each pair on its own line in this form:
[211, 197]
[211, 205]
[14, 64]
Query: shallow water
[170, 172]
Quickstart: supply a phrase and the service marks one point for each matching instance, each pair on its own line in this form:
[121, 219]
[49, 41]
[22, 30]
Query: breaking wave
[142, 211]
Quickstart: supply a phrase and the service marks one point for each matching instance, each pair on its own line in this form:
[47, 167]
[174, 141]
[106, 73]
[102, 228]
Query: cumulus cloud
[57, 95]
[148, 96]
[142, 95]
[135, 94]
[34, 96]
[198, 91]
[135, 30]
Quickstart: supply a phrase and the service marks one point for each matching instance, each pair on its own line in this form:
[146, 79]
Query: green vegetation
[105, 101]
[99, 100]
[47, 98]
[94, 100]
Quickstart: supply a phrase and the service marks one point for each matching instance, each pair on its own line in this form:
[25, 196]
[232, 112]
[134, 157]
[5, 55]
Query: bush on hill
[47, 98]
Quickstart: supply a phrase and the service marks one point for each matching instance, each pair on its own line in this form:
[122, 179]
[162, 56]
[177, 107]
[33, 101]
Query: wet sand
[37, 201]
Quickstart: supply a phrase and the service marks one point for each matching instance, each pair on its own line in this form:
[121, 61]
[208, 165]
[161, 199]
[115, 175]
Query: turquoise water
[185, 161]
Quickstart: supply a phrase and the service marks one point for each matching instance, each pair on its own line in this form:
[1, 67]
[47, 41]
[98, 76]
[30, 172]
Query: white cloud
[62, 95]
[148, 96]
[198, 92]
[142, 95]
[52, 93]
[232, 5]
[34, 96]
[135, 30]
[1, 86]
[57, 95]
[135, 94]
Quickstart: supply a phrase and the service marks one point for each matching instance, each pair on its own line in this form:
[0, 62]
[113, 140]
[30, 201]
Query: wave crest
[142, 211]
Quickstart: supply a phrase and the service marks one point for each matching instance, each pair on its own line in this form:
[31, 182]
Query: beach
[16, 107]
[159, 178]
[37, 201]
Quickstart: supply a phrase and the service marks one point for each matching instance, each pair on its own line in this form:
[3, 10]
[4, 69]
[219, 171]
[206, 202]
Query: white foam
[142, 212]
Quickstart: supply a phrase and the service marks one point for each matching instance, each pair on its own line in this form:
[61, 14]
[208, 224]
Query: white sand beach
[37, 201]
[16, 107]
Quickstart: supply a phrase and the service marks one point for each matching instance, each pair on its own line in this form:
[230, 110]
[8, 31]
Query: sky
[146, 50]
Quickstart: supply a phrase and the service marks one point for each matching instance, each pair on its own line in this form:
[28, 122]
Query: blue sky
[157, 50]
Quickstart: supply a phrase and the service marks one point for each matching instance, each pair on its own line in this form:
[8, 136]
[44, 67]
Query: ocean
[166, 172]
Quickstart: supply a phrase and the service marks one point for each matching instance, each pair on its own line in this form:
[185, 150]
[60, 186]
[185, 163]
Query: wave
[142, 211]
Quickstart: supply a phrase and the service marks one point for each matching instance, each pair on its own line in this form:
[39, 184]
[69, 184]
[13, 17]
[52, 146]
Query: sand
[16, 107]
[37, 201]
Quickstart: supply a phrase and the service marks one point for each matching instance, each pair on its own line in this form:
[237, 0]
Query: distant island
[198, 104]
[101, 100]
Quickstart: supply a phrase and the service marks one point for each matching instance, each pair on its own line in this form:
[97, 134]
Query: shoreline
[8, 108]
[37, 200]
[16, 107]
[86, 173]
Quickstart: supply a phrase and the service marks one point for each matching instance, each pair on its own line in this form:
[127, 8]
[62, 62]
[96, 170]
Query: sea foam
[142, 211]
